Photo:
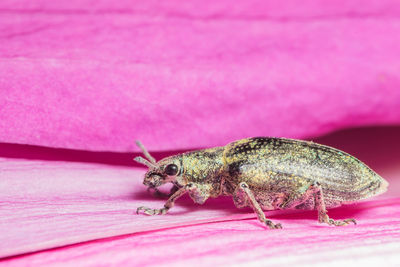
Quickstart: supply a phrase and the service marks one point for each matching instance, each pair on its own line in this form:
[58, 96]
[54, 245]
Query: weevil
[265, 173]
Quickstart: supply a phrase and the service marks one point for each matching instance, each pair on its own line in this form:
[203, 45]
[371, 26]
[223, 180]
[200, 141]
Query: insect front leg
[169, 204]
[244, 188]
[199, 192]
[157, 193]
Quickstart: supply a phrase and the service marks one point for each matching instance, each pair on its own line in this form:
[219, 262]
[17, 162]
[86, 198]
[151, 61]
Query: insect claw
[271, 225]
[339, 222]
[352, 220]
[138, 209]
[152, 212]
[149, 212]
[348, 221]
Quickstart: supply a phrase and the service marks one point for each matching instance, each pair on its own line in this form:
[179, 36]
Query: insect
[265, 173]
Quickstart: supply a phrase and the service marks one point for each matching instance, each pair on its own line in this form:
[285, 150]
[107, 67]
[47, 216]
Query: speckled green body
[270, 173]
[276, 166]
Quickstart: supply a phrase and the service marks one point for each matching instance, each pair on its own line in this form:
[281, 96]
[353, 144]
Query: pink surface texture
[49, 204]
[246, 243]
[80, 80]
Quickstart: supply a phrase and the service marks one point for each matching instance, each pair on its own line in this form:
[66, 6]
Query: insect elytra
[265, 173]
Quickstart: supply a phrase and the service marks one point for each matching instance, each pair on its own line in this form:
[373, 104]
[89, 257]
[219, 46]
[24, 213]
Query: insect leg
[169, 204]
[199, 192]
[256, 207]
[298, 197]
[157, 193]
[320, 206]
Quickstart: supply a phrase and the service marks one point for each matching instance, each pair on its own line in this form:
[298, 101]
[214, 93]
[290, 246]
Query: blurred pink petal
[96, 75]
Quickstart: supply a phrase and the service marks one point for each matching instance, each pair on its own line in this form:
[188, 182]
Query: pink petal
[51, 204]
[302, 242]
[47, 204]
[98, 74]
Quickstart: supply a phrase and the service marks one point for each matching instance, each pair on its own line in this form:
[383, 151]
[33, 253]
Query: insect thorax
[204, 166]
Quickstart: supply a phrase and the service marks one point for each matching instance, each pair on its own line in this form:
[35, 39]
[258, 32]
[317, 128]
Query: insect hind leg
[244, 194]
[301, 198]
[322, 212]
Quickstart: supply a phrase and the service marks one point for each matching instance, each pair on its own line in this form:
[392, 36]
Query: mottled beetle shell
[265, 173]
[274, 168]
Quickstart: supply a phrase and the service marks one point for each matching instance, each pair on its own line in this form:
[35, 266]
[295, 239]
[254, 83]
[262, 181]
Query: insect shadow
[340, 212]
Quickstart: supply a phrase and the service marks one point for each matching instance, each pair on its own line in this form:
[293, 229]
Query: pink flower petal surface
[246, 243]
[48, 204]
[57, 204]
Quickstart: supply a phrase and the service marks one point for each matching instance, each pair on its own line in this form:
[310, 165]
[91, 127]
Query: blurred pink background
[81, 80]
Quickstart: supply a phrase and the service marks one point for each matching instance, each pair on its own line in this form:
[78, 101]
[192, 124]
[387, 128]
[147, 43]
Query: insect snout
[153, 180]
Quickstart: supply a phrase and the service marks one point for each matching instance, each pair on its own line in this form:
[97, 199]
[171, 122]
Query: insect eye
[171, 169]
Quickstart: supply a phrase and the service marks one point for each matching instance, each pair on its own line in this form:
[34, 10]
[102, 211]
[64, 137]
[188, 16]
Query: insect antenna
[150, 161]
[145, 162]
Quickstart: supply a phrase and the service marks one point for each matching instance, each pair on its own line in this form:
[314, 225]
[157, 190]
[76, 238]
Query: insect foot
[151, 212]
[169, 204]
[325, 219]
[271, 225]
[322, 212]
